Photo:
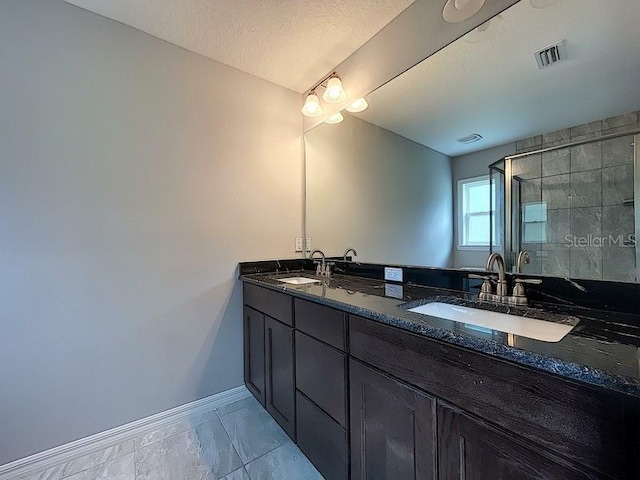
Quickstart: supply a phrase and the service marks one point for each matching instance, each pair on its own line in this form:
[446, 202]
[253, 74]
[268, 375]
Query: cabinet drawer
[321, 439]
[275, 304]
[588, 425]
[321, 322]
[321, 376]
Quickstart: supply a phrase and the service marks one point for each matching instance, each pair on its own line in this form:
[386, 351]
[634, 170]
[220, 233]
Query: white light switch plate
[393, 274]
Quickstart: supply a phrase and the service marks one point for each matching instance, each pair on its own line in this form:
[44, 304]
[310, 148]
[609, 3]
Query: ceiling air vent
[551, 55]
[474, 137]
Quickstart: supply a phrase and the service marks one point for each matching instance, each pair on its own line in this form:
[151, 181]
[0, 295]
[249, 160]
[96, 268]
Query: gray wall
[469, 166]
[134, 175]
[389, 197]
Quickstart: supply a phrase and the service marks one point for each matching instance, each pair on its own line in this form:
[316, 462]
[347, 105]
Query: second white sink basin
[298, 280]
[502, 322]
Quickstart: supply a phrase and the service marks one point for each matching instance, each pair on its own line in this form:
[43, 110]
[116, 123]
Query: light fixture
[358, 105]
[334, 92]
[312, 106]
[335, 118]
[456, 11]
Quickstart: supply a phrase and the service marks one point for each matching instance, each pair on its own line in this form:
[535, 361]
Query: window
[474, 207]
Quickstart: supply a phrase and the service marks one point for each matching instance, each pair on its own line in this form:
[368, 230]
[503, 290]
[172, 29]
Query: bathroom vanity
[369, 389]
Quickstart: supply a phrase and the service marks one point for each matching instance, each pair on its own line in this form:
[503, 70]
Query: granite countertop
[603, 349]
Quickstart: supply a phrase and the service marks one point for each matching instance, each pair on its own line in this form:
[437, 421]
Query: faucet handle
[530, 281]
[486, 284]
[482, 277]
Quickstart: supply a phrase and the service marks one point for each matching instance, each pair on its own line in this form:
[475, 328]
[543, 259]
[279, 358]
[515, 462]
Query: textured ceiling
[292, 43]
[488, 82]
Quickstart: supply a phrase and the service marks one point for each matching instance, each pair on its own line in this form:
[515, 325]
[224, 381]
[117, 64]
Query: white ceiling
[488, 83]
[292, 43]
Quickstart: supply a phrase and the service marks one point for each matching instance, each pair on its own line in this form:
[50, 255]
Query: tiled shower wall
[588, 191]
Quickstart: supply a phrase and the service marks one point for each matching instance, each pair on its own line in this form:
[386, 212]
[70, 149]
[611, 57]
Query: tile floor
[239, 441]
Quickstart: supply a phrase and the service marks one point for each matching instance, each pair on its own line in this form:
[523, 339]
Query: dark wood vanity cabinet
[393, 428]
[269, 353]
[366, 400]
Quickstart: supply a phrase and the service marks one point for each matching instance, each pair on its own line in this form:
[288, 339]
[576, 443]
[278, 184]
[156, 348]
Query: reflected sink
[298, 280]
[502, 322]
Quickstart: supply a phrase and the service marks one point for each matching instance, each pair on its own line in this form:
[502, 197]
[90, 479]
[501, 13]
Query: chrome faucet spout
[322, 268]
[501, 289]
[346, 253]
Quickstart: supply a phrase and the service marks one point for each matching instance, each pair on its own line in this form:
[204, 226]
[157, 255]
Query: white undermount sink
[502, 322]
[298, 280]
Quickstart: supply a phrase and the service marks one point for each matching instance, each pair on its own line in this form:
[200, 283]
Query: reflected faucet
[323, 269]
[501, 288]
[523, 259]
[346, 252]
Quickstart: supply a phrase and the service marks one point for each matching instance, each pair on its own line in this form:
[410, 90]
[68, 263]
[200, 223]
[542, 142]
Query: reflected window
[534, 222]
[474, 212]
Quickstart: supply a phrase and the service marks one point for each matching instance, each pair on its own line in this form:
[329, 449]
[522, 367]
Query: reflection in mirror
[387, 180]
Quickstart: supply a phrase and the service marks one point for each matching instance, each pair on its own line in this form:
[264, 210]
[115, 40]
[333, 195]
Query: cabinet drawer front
[321, 376]
[321, 322]
[321, 439]
[588, 425]
[275, 304]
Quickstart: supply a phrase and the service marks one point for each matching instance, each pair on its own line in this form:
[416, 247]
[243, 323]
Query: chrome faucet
[523, 259]
[346, 252]
[518, 297]
[501, 287]
[323, 270]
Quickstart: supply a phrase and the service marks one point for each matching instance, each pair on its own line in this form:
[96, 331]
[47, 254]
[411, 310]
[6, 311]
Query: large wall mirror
[406, 181]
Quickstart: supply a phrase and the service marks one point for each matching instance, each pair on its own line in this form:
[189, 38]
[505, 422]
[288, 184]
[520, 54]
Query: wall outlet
[393, 274]
[393, 290]
[309, 244]
[299, 246]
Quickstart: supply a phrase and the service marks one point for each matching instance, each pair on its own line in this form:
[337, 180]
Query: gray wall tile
[626, 120]
[617, 185]
[527, 167]
[619, 263]
[617, 151]
[556, 162]
[557, 260]
[558, 225]
[586, 262]
[586, 157]
[556, 191]
[558, 137]
[586, 189]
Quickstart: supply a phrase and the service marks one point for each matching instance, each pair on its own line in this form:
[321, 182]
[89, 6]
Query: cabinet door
[472, 450]
[393, 428]
[254, 353]
[280, 385]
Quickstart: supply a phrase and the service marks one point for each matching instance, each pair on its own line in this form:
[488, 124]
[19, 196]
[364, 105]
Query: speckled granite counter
[603, 349]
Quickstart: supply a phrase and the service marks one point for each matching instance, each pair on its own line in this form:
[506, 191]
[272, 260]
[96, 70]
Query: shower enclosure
[571, 206]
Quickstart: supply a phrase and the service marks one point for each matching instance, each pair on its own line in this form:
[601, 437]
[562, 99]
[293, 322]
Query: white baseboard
[78, 448]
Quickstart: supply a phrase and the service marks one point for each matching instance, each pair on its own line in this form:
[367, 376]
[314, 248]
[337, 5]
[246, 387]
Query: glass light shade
[334, 92]
[358, 105]
[335, 118]
[459, 10]
[312, 106]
